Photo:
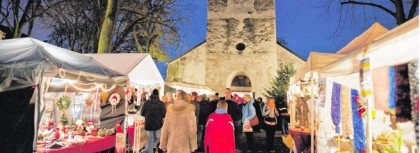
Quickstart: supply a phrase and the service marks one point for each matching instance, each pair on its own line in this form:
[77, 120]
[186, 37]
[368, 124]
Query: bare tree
[75, 25]
[401, 8]
[17, 14]
[146, 26]
[107, 28]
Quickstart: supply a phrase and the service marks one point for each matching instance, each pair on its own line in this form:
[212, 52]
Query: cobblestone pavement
[260, 144]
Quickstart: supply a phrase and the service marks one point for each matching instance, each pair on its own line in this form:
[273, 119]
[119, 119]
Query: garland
[63, 102]
[335, 106]
[358, 127]
[346, 111]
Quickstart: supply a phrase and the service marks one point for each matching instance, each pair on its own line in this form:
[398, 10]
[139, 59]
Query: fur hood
[180, 106]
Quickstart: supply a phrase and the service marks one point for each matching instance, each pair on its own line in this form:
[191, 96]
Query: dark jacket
[204, 112]
[234, 110]
[213, 106]
[154, 111]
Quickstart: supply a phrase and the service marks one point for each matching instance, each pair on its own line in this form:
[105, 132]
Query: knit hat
[155, 92]
[118, 129]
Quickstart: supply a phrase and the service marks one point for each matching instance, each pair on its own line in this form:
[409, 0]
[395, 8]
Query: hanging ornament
[63, 103]
[104, 97]
[88, 101]
[114, 99]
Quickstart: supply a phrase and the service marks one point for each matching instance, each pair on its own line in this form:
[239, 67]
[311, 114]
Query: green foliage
[280, 83]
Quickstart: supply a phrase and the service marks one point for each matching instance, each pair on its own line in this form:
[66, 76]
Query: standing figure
[270, 121]
[220, 136]
[179, 131]
[154, 112]
[235, 112]
[248, 112]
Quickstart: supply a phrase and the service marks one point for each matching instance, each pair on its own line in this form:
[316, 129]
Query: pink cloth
[130, 132]
[219, 136]
[91, 146]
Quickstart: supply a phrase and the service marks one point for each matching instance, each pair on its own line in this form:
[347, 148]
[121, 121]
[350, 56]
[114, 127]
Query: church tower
[240, 51]
[241, 45]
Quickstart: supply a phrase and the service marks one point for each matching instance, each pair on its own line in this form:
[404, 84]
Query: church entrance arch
[241, 84]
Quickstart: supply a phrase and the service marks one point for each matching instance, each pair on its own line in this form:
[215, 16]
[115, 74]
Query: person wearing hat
[220, 131]
[154, 112]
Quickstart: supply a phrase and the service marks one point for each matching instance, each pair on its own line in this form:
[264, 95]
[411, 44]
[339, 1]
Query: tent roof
[122, 63]
[365, 38]
[400, 45]
[316, 61]
[30, 50]
[139, 67]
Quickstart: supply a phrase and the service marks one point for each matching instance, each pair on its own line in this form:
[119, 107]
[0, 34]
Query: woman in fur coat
[179, 131]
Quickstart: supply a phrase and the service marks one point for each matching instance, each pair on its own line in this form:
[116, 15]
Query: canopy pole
[312, 113]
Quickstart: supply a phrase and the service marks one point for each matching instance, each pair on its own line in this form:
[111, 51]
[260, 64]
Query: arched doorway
[241, 85]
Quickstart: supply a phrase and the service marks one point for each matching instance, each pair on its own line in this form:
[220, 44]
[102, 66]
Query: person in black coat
[154, 112]
[202, 120]
[258, 107]
[235, 112]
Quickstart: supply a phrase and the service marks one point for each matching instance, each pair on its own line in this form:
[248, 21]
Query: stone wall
[252, 23]
[189, 67]
[284, 56]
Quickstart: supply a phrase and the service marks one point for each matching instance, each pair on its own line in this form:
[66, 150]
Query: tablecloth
[91, 146]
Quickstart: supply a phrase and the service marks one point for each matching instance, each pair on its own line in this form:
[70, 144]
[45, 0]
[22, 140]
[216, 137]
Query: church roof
[205, 41]
[280, 44]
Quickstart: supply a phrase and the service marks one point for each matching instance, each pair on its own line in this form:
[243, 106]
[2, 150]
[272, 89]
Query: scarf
[335, 106]
[358, 127]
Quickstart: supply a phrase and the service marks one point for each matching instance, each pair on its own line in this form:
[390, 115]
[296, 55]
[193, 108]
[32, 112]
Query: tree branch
[413, 9]
[368, 4]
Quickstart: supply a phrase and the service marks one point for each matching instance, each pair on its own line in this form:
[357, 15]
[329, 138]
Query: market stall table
[302, 139]
[91, 146]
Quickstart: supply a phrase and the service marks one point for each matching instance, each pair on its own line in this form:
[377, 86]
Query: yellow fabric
[346, 117]
[288, 141]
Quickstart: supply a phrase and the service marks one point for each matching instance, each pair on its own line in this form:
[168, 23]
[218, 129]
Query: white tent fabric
[316, 60]
[364, 39]
[139, 67]
[397, 46]
[27, 51]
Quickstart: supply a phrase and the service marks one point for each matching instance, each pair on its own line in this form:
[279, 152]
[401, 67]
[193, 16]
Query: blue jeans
[153, 138]
[200, 135]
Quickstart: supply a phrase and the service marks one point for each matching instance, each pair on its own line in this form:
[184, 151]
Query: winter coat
[248, 111]
[234, 110]
[154, 111]
[204, 112]
[179, 131]
[220, 134]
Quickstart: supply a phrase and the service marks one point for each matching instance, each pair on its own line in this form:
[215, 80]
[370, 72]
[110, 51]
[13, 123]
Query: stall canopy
[139, 67]
[364, 39]
[26, 68]
[29, 53]
[316, 60]
[398, 45]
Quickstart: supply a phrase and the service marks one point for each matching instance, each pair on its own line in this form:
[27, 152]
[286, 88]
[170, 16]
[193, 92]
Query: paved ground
[260, 145]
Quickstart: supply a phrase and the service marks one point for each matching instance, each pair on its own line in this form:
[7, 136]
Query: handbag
[254, 121]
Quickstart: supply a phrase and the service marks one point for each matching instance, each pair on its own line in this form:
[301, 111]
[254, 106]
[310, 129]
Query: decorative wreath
[114, 99]
[63, 102]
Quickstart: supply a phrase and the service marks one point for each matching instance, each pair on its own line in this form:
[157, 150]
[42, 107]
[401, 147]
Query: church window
[241, 81]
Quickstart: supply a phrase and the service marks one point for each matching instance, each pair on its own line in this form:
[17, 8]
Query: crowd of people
[192, 122]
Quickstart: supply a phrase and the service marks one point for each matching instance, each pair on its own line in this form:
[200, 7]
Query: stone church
[240, 51]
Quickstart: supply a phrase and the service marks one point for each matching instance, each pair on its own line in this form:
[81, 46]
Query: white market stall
[393, 48]
[139, 67]
[144, 75]
[27, 66]
[302, 93]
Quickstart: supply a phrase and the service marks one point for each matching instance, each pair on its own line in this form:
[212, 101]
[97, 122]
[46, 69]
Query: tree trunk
[107, 27]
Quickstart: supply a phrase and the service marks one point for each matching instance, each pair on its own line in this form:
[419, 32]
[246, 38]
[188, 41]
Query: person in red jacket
[220, 131]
